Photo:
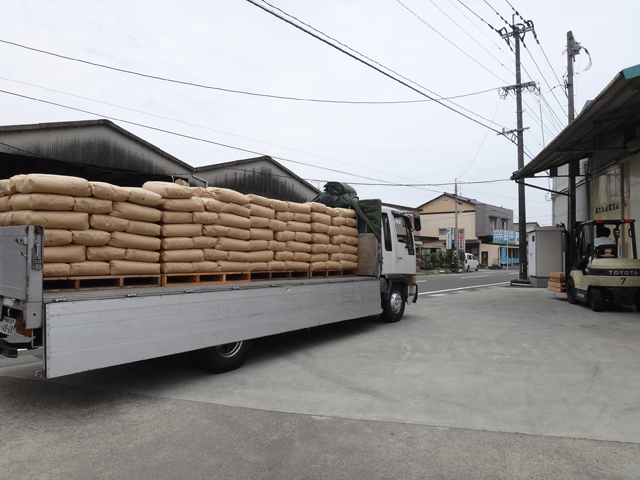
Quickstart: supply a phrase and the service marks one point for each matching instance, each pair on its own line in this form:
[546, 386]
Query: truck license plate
[7, 325]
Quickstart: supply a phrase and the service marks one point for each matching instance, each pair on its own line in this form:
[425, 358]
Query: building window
[504, 224]
[442, 231]
[494, 222]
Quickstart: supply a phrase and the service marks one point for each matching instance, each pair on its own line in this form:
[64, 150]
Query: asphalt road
[445, 284]
[481, 382]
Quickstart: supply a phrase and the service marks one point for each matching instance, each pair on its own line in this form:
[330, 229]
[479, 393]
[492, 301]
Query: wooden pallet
[51, 284]
[557, 282]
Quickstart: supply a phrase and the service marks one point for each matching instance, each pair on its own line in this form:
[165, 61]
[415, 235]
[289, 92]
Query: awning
[613, 110]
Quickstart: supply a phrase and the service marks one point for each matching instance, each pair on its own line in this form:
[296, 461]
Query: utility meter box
[546, 254]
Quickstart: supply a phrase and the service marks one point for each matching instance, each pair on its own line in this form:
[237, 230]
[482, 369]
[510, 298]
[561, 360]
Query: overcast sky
[441, 47]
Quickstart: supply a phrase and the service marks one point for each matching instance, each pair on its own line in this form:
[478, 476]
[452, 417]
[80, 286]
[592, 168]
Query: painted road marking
[477, 276]
[465, 288]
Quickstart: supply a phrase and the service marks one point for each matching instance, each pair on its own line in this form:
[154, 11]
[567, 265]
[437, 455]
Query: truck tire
[224, 358]
[595, 299]
[571, 291]
[393, 305]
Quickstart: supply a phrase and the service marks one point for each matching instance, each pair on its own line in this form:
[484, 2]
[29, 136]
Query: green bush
[442, 259]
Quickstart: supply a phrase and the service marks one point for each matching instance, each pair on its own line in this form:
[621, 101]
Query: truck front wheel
[393, 305]
[224, 358]
[595, 299]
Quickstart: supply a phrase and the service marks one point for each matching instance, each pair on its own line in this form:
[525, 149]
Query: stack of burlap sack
[94, 228]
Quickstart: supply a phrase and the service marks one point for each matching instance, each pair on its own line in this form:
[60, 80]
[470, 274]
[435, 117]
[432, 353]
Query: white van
[470, 262]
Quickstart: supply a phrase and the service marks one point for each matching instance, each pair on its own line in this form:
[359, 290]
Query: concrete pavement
[501, 382]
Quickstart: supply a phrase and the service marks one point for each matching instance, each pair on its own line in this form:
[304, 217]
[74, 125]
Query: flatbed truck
[80, 330]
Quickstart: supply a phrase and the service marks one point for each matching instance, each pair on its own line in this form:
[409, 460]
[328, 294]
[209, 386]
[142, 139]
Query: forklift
[598, 273]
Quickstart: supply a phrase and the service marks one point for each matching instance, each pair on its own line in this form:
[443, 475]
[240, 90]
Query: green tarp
[343, 195]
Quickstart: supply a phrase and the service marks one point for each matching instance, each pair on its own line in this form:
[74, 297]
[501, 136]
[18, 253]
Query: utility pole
[573, 48]
[517, 32]
[571, 57]
[457, 238]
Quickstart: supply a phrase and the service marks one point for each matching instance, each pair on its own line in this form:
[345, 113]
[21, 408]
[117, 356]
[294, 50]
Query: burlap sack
[92, 205]
[333, 265]
[177, 217]
[284, 236]
[285, 216]
[319, 248]
[106, 253]
[351, 222]
[90, 238]
[260, 256]
[302, 217]
[294, 246]
[215, 230]
[332, 231]
[210, 204]
[191, 255]
[336, 257]
[352, 241]
[59, 184]
[258, 200]
[239, 233]
[135, 255]
[57, 220]
[276, 246]
[5, 186]
[57, 238]
[303, 237]
[226, 266]
[132, 211]
[41, 201]
[13, 184]
[346, 265]
[319, 257]
[169, 189]
[333, 249]
[143, 228]
[140, 196]
[338, 239]
[277, 225]
[261, 234]
[198, 192]
[344, 248]
[181, 205]
[338, 221]
[292, 265]
[320, 238]
[301, 257]
[181, 230]
[283, 256]
[235, 209]
[303, 208]
[333, 212]
[108, 223]
[231, 220]
[258, 266]
[124, 267]
[56, 270]
[238, 256]
[205, 267]
[177, 267]
[232, 244]
[85, 269]
[318, 207]
[227, 195]
[106, 191]
[65, 254]
[346, 212]
[350, 258]
[317, 266]
[348, 231]
[205, 218]
[279, 205]
[317, 227]
[320, 218]
[5, 219]
[257, 245]
[178, 243]
[205, 242]
[213, 255]
[276, 266]
[131, 240]
[298, 226]
[5, 204]
[260, 222]
[260, 211]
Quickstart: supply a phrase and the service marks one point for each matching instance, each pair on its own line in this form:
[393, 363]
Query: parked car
[470, 262]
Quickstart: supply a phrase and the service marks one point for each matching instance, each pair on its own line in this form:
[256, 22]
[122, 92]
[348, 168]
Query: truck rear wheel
[224, 358]
[571, 291]
[595, 299]
[393, 305]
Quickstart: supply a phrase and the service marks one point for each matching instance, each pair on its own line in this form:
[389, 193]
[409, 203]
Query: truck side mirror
[616, 233]
[417, 224]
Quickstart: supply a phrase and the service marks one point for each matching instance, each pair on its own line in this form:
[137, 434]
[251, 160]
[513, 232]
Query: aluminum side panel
[88, 334]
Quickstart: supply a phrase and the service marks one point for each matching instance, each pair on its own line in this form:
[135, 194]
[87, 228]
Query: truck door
[406, 250]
